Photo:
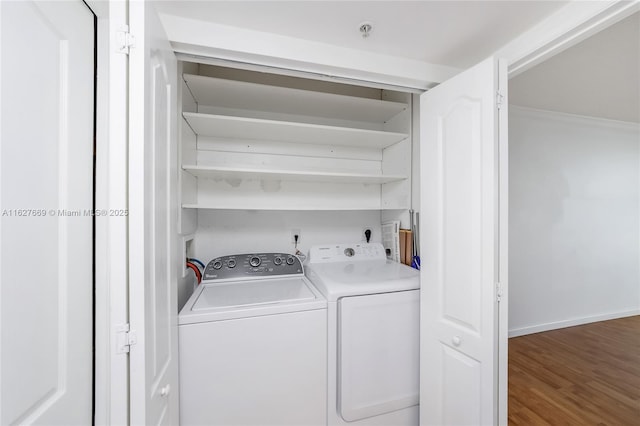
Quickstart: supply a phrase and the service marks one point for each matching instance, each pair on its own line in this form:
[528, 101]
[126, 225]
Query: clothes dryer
[373, 334]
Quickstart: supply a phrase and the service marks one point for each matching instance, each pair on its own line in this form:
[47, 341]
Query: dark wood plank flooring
[584, 375]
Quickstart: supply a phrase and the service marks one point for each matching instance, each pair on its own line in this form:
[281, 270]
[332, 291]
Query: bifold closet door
[154, 262]
[463, 248]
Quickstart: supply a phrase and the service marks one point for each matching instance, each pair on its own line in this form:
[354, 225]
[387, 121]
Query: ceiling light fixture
[365, 29]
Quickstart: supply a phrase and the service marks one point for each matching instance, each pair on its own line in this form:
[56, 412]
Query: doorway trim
[111, 385]
[572, 24]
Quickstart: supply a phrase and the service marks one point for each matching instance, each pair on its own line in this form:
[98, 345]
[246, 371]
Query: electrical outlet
[363, 234]
[295, 232]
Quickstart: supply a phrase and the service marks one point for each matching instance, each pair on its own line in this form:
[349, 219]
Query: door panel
[47, 196]
[459, 149]
[153, 248]
[158, 199]
[460, 375]
[460, 200]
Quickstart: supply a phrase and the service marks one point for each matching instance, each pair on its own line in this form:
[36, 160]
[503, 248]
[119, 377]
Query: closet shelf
[300, 207]
[253, 96]
[223, 126]
[292, 176]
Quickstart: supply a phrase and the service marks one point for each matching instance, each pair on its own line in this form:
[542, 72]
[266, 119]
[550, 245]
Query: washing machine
[373, 334]
[253, 345]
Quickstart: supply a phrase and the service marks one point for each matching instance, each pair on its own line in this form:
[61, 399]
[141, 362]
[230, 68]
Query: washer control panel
[252, 265]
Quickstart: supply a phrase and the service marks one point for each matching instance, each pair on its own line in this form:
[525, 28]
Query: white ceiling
[453, 33]
[599, 77]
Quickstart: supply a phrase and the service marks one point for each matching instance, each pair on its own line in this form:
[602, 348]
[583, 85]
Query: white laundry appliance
[252, 343]
[373, 334]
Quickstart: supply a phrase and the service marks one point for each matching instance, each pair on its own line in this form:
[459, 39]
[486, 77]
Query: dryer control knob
[255, 261]
[290, 260]
[217, 264]
[277, 261]
[231, 263]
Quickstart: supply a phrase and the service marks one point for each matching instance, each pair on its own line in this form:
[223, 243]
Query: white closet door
[47, 79]
[153, 247]
[460, 184]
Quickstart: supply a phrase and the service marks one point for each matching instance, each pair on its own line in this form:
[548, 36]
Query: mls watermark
[65, 212]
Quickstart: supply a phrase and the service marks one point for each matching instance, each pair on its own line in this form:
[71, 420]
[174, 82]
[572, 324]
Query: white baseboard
[570, 323]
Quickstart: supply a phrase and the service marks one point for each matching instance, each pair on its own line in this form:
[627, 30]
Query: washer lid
[260, 292]
[216, 301]
[339, 279]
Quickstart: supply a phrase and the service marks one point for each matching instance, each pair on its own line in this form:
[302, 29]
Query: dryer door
[378, 363]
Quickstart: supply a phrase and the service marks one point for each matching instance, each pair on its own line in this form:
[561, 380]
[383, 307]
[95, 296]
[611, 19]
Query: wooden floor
[584, 375]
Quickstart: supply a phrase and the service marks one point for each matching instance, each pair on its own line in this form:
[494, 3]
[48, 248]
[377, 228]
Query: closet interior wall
[264, 155]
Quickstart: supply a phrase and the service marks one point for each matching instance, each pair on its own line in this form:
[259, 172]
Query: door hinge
[498, 292]
[125, 338]
[499, 100]
[124, 40]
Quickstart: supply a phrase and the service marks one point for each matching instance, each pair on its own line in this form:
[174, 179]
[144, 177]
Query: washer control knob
[231, 263]
[277, 260]
[255, 261]
[217, 264]
[290, 260]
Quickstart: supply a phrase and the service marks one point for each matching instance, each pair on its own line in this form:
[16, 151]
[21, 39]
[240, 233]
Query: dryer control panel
[243, 266]
[347, 253]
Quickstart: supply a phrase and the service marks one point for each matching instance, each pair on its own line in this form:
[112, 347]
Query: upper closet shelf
[223, 126]
[252, 96]
[222, 172]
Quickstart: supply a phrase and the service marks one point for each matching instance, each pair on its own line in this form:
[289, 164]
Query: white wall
[222, 232]
[574, 220]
